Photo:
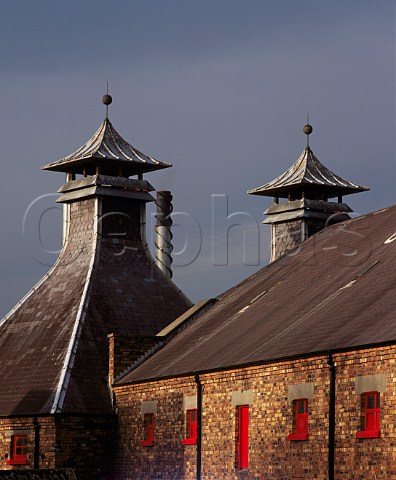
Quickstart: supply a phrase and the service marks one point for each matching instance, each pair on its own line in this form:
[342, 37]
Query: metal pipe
[332, 404]
[199, 426]
[163, 237]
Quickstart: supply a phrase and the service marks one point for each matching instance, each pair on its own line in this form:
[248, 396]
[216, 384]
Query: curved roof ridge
[308, 170]
[107, 147]
[325, 172]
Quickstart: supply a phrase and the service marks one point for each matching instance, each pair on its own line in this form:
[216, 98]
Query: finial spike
[308, 129]
[107, 99]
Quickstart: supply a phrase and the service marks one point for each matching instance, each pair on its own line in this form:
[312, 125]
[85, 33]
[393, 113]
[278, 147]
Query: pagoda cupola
[102, 167]
[106, 154]
[307, 188]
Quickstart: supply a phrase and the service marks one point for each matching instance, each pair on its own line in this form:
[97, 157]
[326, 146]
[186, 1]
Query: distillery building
[109, 372]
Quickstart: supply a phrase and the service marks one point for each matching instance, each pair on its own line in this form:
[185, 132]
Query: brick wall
[168, 458]
[374, 458]
[271, 455]
[84, 443]
[25, 426]
[87, 444]
[125, 349]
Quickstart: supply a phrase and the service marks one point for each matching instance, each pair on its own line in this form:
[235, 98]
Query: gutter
[332, 405]
[258, 363]
[199, 427]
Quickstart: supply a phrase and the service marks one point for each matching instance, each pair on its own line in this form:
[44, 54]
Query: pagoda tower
[54, 350]
[307, 187]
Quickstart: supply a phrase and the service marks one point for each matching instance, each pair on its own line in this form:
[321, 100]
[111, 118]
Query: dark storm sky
[219, 88]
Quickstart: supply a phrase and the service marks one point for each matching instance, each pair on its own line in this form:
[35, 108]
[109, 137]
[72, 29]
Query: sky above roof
[218, 88]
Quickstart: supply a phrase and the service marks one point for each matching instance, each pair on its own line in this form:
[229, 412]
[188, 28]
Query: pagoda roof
[108, 150]
[54, 344]
[308, 174]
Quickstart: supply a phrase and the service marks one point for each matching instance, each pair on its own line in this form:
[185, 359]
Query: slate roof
[53, 344]
[310, 175]
[338, 290]
[109, 150]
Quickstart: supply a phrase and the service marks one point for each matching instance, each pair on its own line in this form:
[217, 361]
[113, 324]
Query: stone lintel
[301, 390]
[244, 397]
[189, 402]
[148, 407]
[10, 433]
[370, 383]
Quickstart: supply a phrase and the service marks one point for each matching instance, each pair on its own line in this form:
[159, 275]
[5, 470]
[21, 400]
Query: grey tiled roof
[108, 149]
[308, 173]
[337, 290]
[53, 344]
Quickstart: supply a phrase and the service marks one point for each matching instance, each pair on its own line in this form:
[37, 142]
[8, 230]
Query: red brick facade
[124, 350]
[271, 455]
[26, 426]
[84, 443]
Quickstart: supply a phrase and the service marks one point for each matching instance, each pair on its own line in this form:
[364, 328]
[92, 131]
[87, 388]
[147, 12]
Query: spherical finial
[308, 129]
[107, 99]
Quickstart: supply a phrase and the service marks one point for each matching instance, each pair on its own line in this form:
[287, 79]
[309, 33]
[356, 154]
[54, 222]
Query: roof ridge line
[308, 150]
[76, 333]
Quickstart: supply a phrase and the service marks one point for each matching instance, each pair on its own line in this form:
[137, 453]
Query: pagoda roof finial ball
[308, 129]
[107, 99]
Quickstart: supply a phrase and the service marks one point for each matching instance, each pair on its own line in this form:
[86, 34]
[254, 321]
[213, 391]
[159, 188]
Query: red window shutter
[150, 427]
[243, 437]
[193, 424]
[300, 420]
[148, 430]
[372, 411]
[191, 427]
[302, 416]
[371, 414]
[18, 450]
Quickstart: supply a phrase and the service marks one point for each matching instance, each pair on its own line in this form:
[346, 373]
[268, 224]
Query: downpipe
[199, 427]
[36, 456]
[332, 411]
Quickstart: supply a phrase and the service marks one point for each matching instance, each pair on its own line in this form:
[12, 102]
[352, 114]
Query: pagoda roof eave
[129, 168]
[308, 174]
[107, 149]
[328, 190]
